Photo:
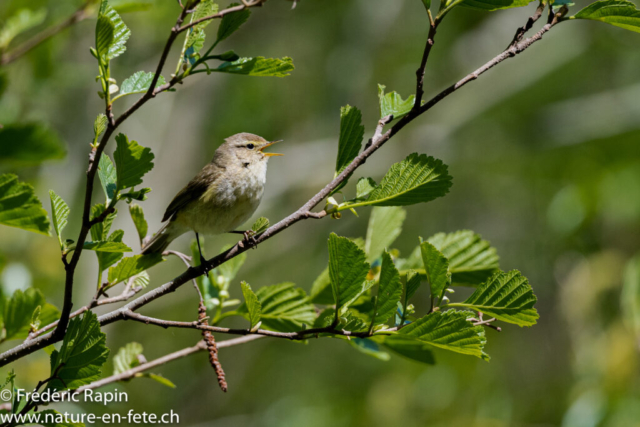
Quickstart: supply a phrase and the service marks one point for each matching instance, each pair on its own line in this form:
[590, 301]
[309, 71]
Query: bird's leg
[202, 260]
[249, 235]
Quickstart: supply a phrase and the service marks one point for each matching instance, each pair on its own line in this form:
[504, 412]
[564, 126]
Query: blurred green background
[544, 154]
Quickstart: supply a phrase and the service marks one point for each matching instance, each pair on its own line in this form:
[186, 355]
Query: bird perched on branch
[221, 197]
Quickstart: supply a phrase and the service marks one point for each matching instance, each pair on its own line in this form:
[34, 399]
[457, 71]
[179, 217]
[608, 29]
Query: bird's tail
[159, 242]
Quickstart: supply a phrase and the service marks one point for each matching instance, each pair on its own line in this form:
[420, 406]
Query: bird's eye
[251, 146]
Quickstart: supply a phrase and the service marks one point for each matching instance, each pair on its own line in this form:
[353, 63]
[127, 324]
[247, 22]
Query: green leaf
[18, 311]
[370, 348]
[104, 36]
[137, 215]
[385, 225]
[620, 13]
[108, 177]
[416, 179]
[127, 358]
[347, 270]
[321, 292]
[107, 259]
[29, 144]
[285, 308]
[120, 32]
[491, 5]
[160, 379]
[106, 246]
[350, 141]
[142, 280]
[195, 38]
[131, 266]
[389, 290]
[23, 20]
[436, 267]
[259, 66]
[413, 283]
[231, 22]
[140, 195]
[19, 206]
[471, 259]
[99, 126]
[139, 82]
[364, 187]
[410, 348]
[260, 226]
[427, 5]
[449, 330]
[229, 269]
[253, 305]
[393, 104]
[132, 162]
[505, 296]
[81, 356]
[49, 313]
[59, 214]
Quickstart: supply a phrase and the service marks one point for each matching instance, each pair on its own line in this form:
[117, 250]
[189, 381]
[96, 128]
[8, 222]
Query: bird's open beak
[268, 144]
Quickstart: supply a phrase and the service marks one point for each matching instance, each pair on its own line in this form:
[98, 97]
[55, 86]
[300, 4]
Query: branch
[526, 27]
[79, 15]
[244, 5]
[303, 213]
[133, 372]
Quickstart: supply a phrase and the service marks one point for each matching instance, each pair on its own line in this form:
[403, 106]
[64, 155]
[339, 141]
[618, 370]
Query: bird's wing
[194, 189]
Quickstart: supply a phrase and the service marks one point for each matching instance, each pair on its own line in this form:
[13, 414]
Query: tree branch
[301, 214]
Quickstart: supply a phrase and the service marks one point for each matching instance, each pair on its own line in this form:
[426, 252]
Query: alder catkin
[212, 348]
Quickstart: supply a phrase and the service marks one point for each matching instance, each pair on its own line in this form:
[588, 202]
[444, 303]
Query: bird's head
[247, 147]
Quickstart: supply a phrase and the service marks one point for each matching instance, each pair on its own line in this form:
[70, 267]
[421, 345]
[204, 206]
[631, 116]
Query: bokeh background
[544, 154]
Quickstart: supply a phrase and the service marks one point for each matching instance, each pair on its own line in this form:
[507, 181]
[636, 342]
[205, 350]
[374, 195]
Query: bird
[221, 197]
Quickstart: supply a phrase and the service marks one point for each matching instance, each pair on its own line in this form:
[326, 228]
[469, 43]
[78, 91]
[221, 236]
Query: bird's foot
[250, 236]
[203, 262]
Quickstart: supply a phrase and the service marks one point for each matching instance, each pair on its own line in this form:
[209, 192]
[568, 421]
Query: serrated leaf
[491, 5]
[436, 268]
[260, 226]
[505, 296]
[471, 259]
[29, 144]
[284, 307]
[231, 22]
[106, 246]
[410, 348]
[254, 307]
[137, 215]
[413, 283]
[385, 225]
[127, 358]
[59, 214]
[23, 20]
[107, 259]
[99, 126]
[104, 36]
[347, 270]
[132, 162]
[121, 32]
[620, 13]
[195, 38]
[259, 66]
[392, 103]
[139, 82]
[389, 290]
[142, 280]
[131, 266]
[19, 206]
[108, 177]
[18, 311]
[350, 141]
[449, 330]
[81, 356]
[416, 179]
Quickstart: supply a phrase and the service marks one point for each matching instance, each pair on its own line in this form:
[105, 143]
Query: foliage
[19, 206]
[29, 144]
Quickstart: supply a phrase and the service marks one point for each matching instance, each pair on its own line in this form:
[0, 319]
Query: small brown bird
[221, 197]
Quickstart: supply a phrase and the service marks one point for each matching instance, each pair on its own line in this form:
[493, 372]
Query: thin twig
[15, 53]
[526, 27]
